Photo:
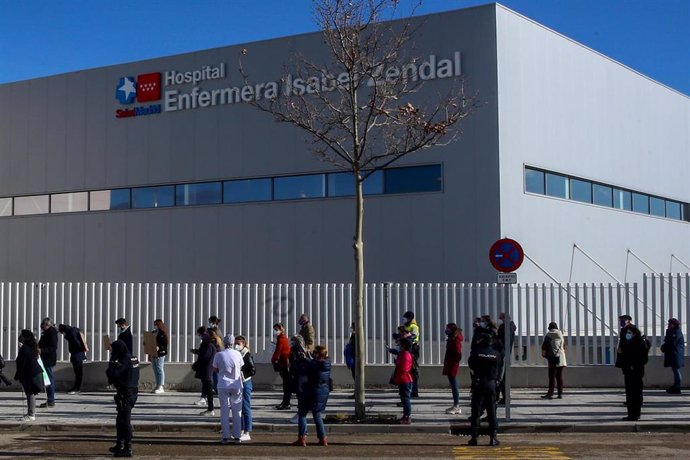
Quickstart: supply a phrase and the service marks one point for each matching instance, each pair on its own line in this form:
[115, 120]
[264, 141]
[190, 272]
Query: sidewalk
[581, 410]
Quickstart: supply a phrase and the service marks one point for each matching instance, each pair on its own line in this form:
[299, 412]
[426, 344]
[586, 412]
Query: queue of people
[304, 368]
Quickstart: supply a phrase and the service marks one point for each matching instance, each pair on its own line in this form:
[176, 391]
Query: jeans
[318, 421]
[454, 389]
[230, 401]
[78, 367]
[405, 391]
[159, 370]
[247, 405]
[50, 389]
[30, 403]
[555, 378]
[207, 391]
[677, 378]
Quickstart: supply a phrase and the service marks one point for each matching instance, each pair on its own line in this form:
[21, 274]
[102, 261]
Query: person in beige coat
[307, 332]
[553, 349]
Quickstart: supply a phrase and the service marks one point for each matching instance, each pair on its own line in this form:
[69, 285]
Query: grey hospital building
[158, 171]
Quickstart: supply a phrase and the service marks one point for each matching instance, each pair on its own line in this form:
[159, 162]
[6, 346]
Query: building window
[413, 179]
[534, 181]
[104, 200]
[602, 195]
[673, 210]
[5, 207]
[27, 205]
[640, 203]
[557, 185]
[69, 202]
[153, 197]
[343, 184]
[657, 206]
[298, 187]
[581, 190]
[622, 199]
[196, 194]
[245, 190]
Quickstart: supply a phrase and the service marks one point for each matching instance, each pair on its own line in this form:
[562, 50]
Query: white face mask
[482, 324]
[276, 333]
[238, 347]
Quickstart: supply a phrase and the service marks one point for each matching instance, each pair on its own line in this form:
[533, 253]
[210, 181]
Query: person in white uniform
[228, 364]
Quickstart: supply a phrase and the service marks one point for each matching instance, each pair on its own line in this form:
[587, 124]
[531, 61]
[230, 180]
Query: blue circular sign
[506, 255]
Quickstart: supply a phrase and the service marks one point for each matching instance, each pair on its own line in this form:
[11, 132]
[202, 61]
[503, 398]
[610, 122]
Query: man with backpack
[632, 356]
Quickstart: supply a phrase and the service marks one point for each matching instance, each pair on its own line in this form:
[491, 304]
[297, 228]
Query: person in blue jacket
[314, 396]
[674, 353]
[77, 354]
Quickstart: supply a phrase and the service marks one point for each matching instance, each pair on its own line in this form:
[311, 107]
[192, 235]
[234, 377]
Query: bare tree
[363, 109]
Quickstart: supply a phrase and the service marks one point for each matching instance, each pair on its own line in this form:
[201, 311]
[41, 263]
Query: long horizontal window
[404, 179]
[557, 185]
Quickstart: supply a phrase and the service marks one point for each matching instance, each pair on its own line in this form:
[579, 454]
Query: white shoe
[245, 437]
[159, 390]
[201, 402]
[73, 392]
[455, 410]
[28, 418]
[207, 413]
[294, 419]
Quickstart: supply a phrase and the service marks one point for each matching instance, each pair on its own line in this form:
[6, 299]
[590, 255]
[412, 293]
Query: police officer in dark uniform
[485, 363]
[123, 374]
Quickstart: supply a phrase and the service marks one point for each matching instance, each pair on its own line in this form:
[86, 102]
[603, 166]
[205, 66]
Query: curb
[439, 428]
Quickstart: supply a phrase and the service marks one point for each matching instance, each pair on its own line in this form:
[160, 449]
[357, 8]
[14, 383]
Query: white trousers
[230, 400]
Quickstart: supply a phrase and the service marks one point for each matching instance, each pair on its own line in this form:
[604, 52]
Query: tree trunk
[360, 335]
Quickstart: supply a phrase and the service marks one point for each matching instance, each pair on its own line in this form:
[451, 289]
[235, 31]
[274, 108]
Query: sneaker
[201, 402]
[294, 419]
[455, 410]
[47, 404]
[28, 418]
[207, 413]
[225, 441]
[404, 420]
[159, 390]
[73, 392]
[245, 437]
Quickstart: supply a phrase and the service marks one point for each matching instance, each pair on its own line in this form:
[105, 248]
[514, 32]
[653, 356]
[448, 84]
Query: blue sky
[47, 37]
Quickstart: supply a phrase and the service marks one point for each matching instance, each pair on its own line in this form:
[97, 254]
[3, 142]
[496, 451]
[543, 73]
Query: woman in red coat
[281, 363]
[451, 363]
[403, 378]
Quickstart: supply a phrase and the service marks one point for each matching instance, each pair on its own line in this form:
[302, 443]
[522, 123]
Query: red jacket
[403, 366]
[451, 361]
[282, 353]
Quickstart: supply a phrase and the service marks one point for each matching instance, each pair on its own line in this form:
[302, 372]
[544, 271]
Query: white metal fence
[586, 313]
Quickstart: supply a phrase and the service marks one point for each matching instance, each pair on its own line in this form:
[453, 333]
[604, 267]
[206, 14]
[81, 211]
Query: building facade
[159, 171]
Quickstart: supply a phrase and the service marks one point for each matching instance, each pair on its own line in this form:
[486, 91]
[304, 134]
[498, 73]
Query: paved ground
[183, 445]
[580, 410]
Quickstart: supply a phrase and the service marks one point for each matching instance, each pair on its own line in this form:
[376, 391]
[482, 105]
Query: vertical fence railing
[587, 314]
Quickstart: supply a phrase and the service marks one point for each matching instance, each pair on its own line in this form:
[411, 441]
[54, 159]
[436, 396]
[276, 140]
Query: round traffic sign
[506, 255]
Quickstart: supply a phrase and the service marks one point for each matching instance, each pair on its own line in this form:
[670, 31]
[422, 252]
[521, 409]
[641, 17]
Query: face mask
[629, 336]
[276, 333]
[448, 332]
[500, 321]
[482, 324]
[621, 323]
[238, 347]
[122, 328]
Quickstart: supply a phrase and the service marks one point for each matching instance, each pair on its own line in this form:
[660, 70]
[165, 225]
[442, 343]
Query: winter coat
[451, 361]
[48, 345]
[553, 348]
[674, 348]
[308, 334]
[320, 383]
[203, 366]
[161, 344]
[126, 337]
[632, 355]
[403, 366]
[248, 366]
[123, 368]
[501, 335]
[300, 370]
[29, 372]
[280, 358]
[74, 344]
